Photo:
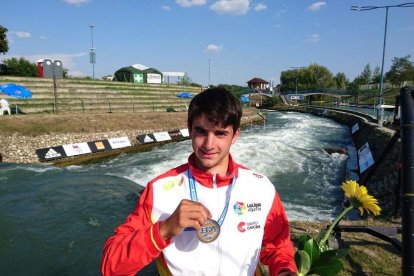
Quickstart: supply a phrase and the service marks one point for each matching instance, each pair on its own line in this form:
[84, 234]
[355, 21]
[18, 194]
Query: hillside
[97, 96]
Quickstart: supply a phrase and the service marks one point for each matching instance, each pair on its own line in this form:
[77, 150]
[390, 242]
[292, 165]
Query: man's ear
[235, 136]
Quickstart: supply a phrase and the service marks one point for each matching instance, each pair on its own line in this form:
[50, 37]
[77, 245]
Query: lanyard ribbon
[193, 195]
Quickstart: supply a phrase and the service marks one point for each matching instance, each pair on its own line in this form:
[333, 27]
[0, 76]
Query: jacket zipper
[218, 204]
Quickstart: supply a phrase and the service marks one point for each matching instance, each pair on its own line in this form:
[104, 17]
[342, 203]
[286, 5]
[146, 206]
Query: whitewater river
[54, 221]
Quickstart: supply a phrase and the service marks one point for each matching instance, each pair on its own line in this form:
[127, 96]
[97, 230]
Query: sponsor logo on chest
[247, 226]
[241, 208]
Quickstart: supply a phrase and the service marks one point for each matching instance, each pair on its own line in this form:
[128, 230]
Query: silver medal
[209, 231]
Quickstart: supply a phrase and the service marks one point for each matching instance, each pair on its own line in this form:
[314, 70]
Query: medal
[209, 231]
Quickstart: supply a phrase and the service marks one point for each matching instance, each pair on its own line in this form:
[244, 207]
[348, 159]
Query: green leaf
[302, 239]
[302, 261]
[330, 268]
[334, 253]
[312, 248]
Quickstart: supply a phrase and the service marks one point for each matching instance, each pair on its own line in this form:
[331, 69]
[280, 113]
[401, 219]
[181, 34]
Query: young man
[210, 216]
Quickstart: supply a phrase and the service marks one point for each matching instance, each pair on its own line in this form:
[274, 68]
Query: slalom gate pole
[407, 179]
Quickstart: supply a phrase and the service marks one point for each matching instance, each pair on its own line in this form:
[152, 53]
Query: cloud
[316, 6]
[313, 38]
[166, 8]
[76, 73]
[213, 48]
[237, 7]
[190, 3]
[260, 7]
[21, 34]
[281, 12]
[76, 2]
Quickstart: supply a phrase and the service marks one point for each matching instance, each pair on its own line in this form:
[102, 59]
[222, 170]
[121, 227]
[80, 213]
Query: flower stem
[338, 218]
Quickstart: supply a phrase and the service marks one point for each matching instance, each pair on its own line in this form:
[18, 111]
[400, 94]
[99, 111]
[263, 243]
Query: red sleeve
[277, 248]
[135, 243]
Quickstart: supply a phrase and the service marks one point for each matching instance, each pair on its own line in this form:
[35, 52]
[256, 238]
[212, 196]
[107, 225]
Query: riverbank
[21, 135]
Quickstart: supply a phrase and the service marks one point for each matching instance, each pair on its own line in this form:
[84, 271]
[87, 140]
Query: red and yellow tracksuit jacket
[255, 227]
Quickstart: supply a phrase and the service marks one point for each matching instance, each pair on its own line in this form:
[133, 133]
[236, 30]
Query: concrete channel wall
[382, 178]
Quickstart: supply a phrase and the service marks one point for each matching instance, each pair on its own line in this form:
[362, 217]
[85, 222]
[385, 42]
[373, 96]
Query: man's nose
[209, 140]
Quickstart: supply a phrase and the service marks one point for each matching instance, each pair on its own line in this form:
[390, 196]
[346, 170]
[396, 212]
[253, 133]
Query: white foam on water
[38, 168]
[288, 149]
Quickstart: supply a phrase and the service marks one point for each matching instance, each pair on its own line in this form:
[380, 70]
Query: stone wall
[22, 149]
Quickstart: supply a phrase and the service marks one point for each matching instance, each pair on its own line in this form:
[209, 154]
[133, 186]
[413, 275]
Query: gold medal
[209, 231]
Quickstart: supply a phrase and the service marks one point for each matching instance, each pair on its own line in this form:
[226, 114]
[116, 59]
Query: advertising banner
[184, 132]
[46, 154]
[76, 149]
[146, 138]
[153, 78]
[175, 134]
[355, 128]
[100, 145]
[162, 136]
[120, 142]
[299, 97]
[365, 158]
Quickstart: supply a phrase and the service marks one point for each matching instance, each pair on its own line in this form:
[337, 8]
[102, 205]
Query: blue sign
[299, 97]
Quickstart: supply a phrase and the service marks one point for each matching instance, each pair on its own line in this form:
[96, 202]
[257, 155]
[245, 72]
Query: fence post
[407, 179]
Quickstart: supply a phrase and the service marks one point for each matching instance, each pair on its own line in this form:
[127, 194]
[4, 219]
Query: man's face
[211, 145]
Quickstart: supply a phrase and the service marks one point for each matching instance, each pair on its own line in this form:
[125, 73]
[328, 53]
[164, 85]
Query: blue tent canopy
[244, 99]
[16, 91]
[184, 95]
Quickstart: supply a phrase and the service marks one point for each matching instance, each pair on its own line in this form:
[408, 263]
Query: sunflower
[360, 199]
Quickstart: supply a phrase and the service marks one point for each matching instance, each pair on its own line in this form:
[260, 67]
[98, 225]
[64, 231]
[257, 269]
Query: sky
[212, 41]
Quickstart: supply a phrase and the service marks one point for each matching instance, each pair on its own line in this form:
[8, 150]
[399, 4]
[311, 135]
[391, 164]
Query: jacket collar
[206, 178]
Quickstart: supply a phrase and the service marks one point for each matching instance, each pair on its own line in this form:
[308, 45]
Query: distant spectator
[4, 106]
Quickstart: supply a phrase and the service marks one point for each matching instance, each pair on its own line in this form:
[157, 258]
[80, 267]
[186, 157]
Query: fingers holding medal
[187, 214]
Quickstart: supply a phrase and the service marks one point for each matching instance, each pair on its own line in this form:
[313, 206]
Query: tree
[366, 74]
[18, 67]
[4, 44]
[376, 75]
[186, 80]
[314, 76]
[288, 80]
[318, 77]
[340, 80]
[401, 70]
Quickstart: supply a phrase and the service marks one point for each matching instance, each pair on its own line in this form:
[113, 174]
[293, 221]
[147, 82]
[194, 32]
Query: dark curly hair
[219, 106]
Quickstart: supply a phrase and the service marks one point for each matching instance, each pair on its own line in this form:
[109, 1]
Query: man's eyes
[221, 133]
[201, 131]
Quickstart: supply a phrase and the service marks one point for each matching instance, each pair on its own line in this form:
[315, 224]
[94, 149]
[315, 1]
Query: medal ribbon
[193, 195]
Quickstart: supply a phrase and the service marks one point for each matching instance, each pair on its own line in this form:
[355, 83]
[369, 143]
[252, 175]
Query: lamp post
[92, 55]
[209, 72]
[296, 82]
[368, 8]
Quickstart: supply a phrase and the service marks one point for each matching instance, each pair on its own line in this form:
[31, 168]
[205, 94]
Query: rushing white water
[64, 215]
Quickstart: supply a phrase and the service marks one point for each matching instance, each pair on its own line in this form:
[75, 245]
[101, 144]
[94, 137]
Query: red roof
[257, 80]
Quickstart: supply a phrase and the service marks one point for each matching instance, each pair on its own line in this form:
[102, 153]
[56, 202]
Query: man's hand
[187, 214]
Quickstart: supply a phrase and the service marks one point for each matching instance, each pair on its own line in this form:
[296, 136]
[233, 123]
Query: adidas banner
[51, 153]
[146, 138]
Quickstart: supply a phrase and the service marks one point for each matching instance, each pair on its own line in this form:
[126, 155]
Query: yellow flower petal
[359, 198]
